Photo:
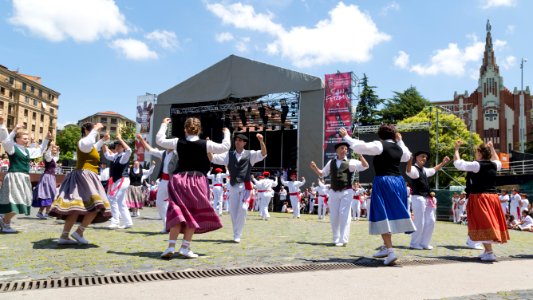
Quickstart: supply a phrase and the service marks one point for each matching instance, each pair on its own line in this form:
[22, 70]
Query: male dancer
[341, 171]
[118, 183]
[515, 205]
[422, 203]
[294, 193]
[322, 191]
[358, 193]
[265, 193]
[239, 164]
[169, 159]
[217, 180]
[504, 200]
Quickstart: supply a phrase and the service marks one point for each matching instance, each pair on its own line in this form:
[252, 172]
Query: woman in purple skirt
[189, 210]
[46, 190]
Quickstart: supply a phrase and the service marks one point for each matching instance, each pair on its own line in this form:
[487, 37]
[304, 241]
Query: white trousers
[238, 208]
[356, 209]
[505, 208]
[339, 214]
[119, 208]
[264, 202]
[515, 213]
[218, 193]
[295, 203]
[321, 207]
[161, 201]
[424, 221]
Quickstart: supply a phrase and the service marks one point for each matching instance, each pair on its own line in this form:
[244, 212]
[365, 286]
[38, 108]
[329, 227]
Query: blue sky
[101, 54]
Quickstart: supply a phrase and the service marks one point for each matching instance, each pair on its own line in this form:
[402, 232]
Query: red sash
[110, 188]
[217, 184]
[297, 194]
[165, 176]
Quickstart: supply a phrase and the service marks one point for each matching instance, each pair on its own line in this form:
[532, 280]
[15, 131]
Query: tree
[67, 140]
[450, 129]
[128, 135]
[403, 105]
[367, 113]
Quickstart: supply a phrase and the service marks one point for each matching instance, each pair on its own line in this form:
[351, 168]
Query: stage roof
[238, 77]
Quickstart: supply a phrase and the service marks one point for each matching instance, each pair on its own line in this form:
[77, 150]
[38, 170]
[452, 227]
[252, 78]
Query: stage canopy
[236, 77]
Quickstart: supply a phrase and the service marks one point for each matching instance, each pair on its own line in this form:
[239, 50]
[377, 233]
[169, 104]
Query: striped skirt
[189, 203]
[486, 222]
[135, 196]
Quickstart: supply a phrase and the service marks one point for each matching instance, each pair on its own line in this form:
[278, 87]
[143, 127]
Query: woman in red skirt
[486, 222]
[189, 210]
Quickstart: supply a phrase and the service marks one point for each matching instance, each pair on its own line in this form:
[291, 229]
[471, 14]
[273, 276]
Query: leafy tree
[367, 113]
[67, 140]
[403, 105]
[450, 129]
[128, 135]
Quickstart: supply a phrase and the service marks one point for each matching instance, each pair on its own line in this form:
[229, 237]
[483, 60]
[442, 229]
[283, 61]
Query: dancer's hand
[166, 120]
[259, 137]
[98, 126]
[458, 144]
[343, 132]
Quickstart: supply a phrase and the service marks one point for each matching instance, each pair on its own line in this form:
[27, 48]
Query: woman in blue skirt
[388, 211]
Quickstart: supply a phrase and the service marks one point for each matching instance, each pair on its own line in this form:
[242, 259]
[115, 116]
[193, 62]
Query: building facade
[24, 100]
[492, 110]
[112, 121]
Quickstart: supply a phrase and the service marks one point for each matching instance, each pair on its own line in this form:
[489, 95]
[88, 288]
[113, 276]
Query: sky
[101, 54]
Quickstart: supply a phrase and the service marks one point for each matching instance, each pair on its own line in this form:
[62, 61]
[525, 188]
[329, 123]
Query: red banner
[337, 110]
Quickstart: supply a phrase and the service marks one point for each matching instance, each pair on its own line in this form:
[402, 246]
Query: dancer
[294, 192]
[81, 196]
[423, 205]
[455, 199]
[134, 195]
[217, 180]
[515, 204]
[169, 159]
[16, 193]
[388, 205]
[341, 171]
[322, 190]
[504, 200]
[358, 193]
[239, 164]
[486, 222]
[189, 210]
[265, 193]
[46, 190]
[118, 183]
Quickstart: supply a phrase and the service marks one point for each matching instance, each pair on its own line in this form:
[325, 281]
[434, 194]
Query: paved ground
[34, 254]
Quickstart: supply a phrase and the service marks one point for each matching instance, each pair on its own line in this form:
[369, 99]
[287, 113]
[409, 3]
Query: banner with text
[337, 110]
[145, 109]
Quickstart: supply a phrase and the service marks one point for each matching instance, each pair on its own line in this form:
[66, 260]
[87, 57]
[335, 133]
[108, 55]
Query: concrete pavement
[407, 282]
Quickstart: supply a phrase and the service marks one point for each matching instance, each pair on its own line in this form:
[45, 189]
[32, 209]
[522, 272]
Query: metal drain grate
[22, 285]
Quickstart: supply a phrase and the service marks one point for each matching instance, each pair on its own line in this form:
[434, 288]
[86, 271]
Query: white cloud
[510, 29]
[224, 37]
[401, 60]
[165, 39]
[499, 45]
[62, 125]
[392, 6]
[451, 61]
[348, 35]
[133, 49]
[509, 62]
[242, 44]
[80, 20]
[485, 4]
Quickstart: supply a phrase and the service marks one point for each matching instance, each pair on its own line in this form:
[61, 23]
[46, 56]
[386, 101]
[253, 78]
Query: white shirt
[265, 184]
[473, 166]
[48, 156]
[415, 174]
[223, 159]
[104, 174]
[123, 160]
[9, 146]
[211, 146]
[294, 186]
[322, 189]
[515, 200]
[353, 165]
[217, 178]
[376, 147]
[168, 157]
[87, 143]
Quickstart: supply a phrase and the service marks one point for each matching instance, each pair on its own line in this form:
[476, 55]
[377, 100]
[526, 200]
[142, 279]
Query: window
[2, 90]
[113, 129]
[32, 88]
[24, 85]
[51, 110]
[32, 128]
[41, 130]
[34, 115]
[103, 120]
[113, 120]
[10, 95]
[25, 125]
[40, 93]
[35, 102]
[42, 118]
[27, 99]
[11, 80]
[25, 112]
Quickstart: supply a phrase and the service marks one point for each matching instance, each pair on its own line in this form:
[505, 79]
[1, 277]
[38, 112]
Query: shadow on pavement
[151, 254]
[52, 244]
[215, 241]
[316, 244]
[455, 247]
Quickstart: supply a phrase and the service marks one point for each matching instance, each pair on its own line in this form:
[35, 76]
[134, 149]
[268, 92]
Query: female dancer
[486, 222]
[189, 210]
[45, 191]
[388, 212]
[81, 196]
[16, 194]
[135, 196]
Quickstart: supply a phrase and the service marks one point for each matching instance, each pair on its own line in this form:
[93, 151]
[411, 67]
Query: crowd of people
[191, 195]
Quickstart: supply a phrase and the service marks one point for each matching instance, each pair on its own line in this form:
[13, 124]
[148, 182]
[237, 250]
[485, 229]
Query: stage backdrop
[415, 141]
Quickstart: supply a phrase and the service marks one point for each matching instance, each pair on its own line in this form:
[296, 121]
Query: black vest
[194, 156]
[136, 179]
[340, 177]
[239, 171]
[118, 170]
[171, 164]
[388, 162]
[421, 184]
[482, 181]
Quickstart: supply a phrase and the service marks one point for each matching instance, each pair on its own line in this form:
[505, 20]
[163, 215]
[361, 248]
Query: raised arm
[315, 169]
[161, 139]
[9, 142]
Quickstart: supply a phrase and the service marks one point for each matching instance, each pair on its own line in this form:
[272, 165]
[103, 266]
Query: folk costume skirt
[45, 191]
[486, 222]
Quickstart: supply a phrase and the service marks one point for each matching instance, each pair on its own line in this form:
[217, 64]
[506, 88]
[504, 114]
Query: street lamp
[522, 73]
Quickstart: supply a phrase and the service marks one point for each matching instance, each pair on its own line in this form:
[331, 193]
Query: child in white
[265, 193]
[322, 191]
[294, 193]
